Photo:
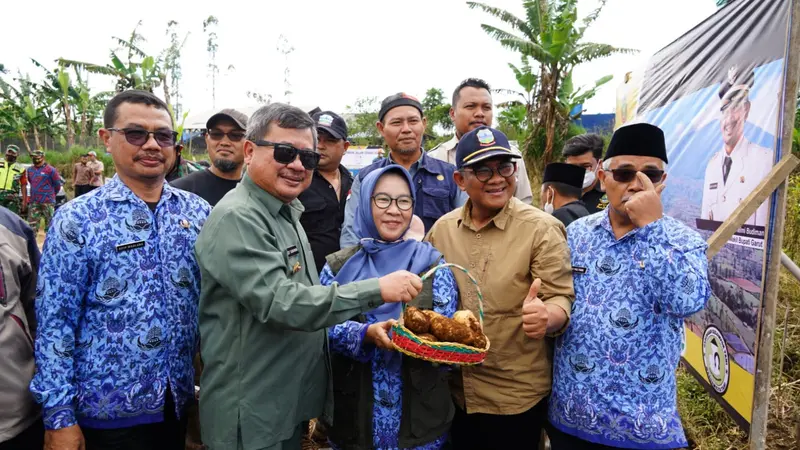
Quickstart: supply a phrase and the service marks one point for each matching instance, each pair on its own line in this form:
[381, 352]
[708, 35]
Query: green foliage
[361, 118]
[551, 35]
[437, 112]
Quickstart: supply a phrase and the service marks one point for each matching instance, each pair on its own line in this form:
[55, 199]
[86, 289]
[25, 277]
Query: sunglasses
[286, 154]
[485, 173]
[138, 136]
[384, 201]
[627, 175]
[218, 135]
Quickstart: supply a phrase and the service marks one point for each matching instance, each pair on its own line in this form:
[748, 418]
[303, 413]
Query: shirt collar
[118, 191]
[422, 163]
[500, 219]
[605, 223]
[291, 211]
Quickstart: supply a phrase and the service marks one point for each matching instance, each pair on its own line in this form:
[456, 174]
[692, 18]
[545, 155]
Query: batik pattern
[614, 376]
[117, 303]
[387, 383]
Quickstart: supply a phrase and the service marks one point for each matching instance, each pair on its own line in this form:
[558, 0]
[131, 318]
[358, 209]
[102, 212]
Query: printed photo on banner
[716, 93]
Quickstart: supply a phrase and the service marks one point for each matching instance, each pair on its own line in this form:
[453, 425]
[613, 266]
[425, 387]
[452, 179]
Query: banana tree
[569, 98]
[550, 34]
[139, 71]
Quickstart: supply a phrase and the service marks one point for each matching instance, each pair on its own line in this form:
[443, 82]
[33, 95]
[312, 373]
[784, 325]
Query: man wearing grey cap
[324, 200]
[225, 142]
[402, 124]
[735, 170]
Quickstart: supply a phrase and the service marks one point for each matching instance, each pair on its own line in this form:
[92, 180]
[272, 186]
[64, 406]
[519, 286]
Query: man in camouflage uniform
[45, 183]
[182, 166]
[12, 181]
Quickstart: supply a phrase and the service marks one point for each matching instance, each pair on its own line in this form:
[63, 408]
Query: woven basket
[405, 341]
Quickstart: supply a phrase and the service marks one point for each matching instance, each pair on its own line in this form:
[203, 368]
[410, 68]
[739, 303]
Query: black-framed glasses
[218, 135]
[286, 154]
[139, 136]
[384, 201]
[627, 175]
[485, 173]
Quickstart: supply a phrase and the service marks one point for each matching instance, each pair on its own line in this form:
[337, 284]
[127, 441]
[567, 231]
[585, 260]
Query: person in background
[182, 166]
[21, 425]
[45, 182]
[117, 296]
[638, 274]
[472, 108]
[13, 182]
[324, 200]
[561, 192]
[82, 176]
[408, 401]
[402, 125]
[98, 179]
[225, 142]
[516, 252]
[262, 312]
[586, 150]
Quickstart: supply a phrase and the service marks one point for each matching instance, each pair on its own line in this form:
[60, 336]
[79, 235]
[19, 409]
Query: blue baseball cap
[481, 144]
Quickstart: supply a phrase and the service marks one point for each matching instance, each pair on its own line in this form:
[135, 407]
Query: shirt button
[478, 236]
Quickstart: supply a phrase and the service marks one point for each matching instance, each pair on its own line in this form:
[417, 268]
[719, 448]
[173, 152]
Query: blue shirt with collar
[614, 368]
[437, 193]
[116, 303]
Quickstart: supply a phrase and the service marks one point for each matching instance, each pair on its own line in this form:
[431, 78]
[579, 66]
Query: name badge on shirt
[292, 251]
[129, 246]
[576, 269]
[712, 186]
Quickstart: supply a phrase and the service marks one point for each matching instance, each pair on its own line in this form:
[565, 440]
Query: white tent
[196, 121]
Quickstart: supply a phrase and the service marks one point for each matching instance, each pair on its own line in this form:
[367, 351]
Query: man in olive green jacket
[262, 311]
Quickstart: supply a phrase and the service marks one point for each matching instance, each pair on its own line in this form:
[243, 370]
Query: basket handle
[430, 273]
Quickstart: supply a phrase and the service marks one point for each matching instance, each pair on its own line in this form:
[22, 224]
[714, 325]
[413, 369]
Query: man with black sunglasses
[262, 312]
[638, 274]
[325, 199]
[225, 142]
[518, 253]
[117, 296]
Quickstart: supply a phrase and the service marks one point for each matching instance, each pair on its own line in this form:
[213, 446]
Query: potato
[448, 330]
[415, 320]
[468, 319]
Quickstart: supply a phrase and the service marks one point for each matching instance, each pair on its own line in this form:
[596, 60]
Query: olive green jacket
[262, 321]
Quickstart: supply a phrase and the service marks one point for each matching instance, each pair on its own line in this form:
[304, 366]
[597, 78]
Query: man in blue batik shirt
[117, 296]
[637, 275]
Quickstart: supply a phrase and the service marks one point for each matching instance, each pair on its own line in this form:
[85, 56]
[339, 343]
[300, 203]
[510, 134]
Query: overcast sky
[342, 49]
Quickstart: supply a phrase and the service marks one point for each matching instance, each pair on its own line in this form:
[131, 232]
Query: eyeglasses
[627, 175]
[138, 136]
[485, 173]
[403, 202]
[218, 135]
[286, 154]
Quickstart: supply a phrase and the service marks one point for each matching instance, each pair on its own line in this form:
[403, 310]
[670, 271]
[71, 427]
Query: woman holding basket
[381, 398]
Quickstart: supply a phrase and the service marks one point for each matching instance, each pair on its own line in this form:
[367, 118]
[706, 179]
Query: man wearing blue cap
[519, 256]
[402, 125]
[637, 275]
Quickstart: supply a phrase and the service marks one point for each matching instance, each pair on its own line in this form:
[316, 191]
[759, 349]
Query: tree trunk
[83, 126]
[68, 119]
[551, 119]
[24, 136]
[167, 98]
[36, 138]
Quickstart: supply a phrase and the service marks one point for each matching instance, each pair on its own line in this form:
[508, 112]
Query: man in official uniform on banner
[735, 170]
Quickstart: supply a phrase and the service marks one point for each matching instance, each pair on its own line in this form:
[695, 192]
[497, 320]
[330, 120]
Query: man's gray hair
[283, 115]
[607, 164]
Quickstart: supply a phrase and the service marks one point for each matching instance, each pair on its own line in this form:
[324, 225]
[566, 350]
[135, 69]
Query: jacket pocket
[435, 202]
[430, 406]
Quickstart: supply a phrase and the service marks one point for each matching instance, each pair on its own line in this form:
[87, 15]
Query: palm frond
[132, 48]
[590, 51]
[497, 33]
[505, 16]
[88, 67]
[527, 48]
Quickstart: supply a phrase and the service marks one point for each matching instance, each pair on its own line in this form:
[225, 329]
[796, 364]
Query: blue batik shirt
[387, 381]
[117, 308]
[614, 371]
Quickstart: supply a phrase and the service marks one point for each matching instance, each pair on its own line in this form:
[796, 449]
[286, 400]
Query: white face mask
[548, 207]
[588, 178]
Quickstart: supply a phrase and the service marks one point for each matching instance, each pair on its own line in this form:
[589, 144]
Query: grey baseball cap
[237, 117]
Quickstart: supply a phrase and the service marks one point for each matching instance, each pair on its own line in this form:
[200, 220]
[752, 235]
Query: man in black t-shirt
[586, 150]
[225, 141]
[325, 198]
